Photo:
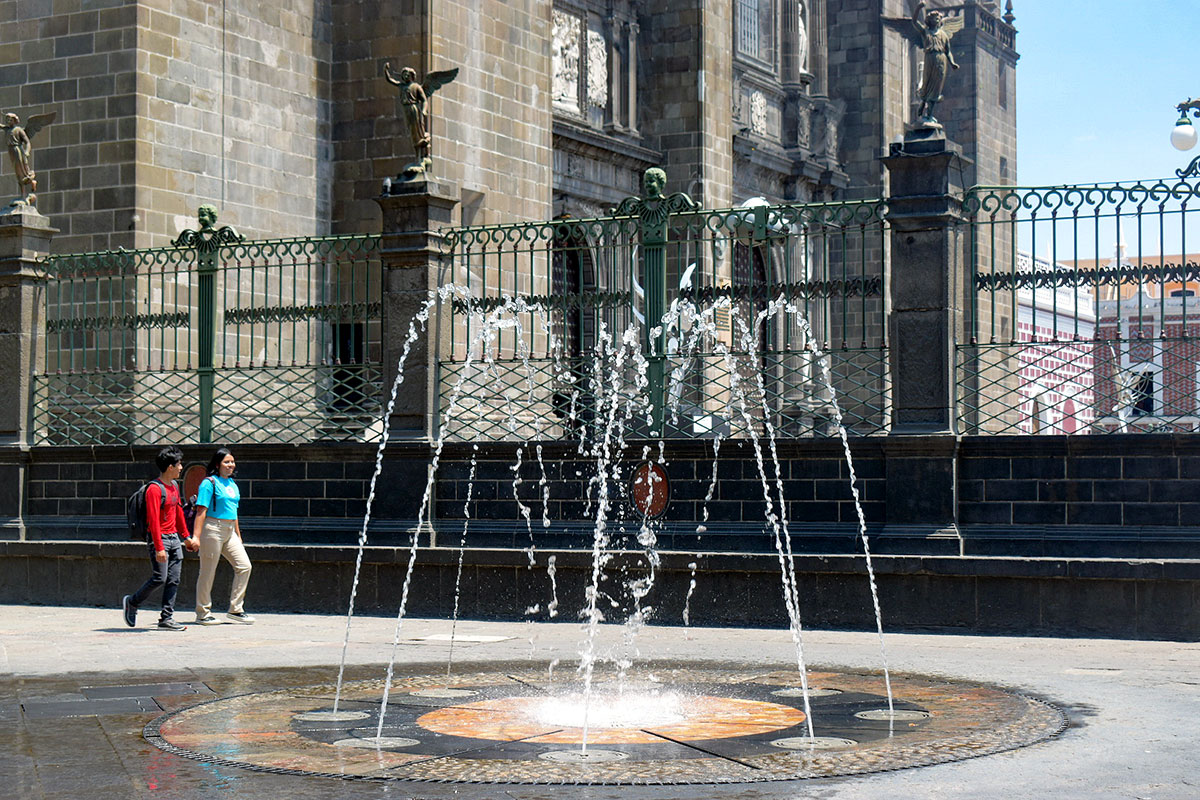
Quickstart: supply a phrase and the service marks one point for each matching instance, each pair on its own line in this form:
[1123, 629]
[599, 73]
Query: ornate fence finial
[1192, 170]
[653, 208]
[208, 238]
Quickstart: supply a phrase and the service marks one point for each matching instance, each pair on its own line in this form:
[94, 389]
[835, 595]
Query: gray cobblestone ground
[1134, 706]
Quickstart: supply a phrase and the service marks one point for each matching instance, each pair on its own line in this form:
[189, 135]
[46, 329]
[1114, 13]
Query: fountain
[617, 720]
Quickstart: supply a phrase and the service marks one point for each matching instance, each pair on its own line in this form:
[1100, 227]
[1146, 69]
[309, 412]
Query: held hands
[191, 544]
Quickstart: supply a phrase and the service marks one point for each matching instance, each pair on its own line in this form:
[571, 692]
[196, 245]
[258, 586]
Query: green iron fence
[554, 331]
[1098, 334]
[213, 339]
[661, 320]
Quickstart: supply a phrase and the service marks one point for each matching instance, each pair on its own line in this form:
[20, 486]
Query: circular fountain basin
[679, 726]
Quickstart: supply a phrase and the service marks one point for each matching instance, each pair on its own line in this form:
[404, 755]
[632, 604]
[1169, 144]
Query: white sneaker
[208, 620]
[240, 616]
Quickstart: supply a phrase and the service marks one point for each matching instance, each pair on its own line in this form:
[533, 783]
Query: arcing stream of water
[618, 383]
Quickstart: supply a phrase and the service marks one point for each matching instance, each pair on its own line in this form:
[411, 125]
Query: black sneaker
[130, 610]
[170, 625]
[240, 616]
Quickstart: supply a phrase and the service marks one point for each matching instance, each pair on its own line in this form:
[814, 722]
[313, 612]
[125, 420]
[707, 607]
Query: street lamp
[1183, 136]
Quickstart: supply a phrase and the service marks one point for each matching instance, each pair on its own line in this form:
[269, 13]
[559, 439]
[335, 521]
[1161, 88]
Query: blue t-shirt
[220, 496]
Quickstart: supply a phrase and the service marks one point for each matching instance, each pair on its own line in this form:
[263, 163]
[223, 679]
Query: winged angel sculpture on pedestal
[414, 97]
[19, 140]
[932, 31]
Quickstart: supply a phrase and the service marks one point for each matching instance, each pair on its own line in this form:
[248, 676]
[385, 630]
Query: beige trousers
[220, 538]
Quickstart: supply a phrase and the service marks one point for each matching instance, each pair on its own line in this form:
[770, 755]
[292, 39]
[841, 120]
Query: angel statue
[414, 97]
[935, 32]
[20, 152]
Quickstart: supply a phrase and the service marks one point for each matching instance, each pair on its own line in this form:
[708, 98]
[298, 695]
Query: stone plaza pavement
[1134, 706]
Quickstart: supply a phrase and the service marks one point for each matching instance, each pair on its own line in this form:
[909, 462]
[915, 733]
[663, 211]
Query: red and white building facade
[1057, 377]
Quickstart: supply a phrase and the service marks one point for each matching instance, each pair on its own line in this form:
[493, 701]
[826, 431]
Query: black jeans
[165, 575]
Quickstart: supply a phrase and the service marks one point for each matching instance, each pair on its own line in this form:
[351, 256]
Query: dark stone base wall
[815, 483]
[1104, 598]
[1133, 481]
[814, 477]
[1119, 496]
[310, 493]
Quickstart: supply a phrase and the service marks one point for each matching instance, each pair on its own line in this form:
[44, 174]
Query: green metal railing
[554, 320]
[1098, 335]
[213, 339]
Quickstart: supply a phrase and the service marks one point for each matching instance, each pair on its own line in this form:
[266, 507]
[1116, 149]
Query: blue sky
[1097, 86]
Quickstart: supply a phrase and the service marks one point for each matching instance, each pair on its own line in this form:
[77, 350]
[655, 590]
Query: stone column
[631, 89]
[818, 47]
[929, 280]
[412, 252]
[24, 240]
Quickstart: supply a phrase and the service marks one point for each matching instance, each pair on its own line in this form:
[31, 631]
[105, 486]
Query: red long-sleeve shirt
[164, 515]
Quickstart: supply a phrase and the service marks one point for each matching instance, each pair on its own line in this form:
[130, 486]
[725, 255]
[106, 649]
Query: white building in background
[1057, 378]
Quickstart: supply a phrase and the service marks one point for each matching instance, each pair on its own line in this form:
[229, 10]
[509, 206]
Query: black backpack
[135, 512]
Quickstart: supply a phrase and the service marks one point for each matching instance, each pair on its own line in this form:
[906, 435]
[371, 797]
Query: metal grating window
[749, 33]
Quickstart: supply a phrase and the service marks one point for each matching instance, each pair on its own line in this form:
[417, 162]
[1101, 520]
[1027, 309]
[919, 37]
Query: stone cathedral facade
[279, 112]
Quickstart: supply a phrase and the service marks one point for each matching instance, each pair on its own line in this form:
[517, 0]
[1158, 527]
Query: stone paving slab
[38, 709]
[145, 690]
[1133, 706]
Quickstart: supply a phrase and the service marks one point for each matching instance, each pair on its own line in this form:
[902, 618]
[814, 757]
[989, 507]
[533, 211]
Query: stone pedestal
[413, 252]
[25, 237]
[929, 279]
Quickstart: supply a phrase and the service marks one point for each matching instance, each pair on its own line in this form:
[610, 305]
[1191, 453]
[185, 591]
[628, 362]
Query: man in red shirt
[168, 536]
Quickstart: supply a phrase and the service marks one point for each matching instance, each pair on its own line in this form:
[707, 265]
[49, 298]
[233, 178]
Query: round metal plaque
[649, 489]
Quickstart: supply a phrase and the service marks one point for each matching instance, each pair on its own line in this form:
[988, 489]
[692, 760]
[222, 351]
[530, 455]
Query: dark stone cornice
[572, 137]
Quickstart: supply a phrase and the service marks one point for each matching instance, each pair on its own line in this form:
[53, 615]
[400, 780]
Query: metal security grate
[669, 321]
[1098, 335]
[213, 339]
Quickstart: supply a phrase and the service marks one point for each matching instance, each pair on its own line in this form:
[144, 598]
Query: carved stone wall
[594, 172]
[490, 126]
[279, 113]
[599, 152]
[163, 106]
[786, 142]
[92, 82]
[688, 117]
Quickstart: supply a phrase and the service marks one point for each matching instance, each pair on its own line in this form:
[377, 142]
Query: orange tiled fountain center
[636, 719]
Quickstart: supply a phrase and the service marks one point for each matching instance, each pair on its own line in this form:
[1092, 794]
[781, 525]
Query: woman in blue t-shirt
[217, 527]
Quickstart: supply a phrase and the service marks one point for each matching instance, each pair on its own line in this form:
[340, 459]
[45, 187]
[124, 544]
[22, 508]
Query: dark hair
[217, 458]
[168, 457]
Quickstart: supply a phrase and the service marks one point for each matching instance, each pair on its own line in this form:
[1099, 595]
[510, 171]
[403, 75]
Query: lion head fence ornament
[653, 208]
[209, 237]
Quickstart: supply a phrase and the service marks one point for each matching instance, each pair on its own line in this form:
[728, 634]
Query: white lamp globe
[1183, 135]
